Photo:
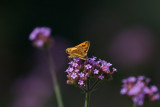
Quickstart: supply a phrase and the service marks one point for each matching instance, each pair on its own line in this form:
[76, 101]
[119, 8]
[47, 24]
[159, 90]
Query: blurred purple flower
[132, 46]
[44, 31]
[139, 90]
[35, 89]
[41, 36]
[86, 69]
[132, 79]
[32, 91]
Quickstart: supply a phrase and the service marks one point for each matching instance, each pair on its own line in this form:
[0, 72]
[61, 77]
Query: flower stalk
[54, 79]
[89, 91]
[87, 97]
[134, 104]
[41, 38]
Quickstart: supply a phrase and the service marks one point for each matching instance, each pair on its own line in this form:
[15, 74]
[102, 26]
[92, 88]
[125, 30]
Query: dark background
[123, 32]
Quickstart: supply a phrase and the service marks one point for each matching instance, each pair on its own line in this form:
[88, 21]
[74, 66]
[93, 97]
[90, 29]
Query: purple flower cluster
[41, 36]
[80, 71]
[139, 90]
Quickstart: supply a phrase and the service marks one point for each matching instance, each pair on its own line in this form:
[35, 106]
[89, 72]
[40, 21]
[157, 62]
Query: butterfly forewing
[85, 46]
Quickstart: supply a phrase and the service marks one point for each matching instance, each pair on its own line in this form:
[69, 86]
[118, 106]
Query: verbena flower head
[139, 90]
[79, 71]
[41, 37]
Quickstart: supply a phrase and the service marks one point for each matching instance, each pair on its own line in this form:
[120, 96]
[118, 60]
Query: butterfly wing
[83, 47]
[79, 50]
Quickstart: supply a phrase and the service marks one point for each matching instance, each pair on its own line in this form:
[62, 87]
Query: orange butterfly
[79, 50]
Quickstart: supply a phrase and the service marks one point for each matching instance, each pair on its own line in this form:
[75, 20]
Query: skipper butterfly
[79, 50]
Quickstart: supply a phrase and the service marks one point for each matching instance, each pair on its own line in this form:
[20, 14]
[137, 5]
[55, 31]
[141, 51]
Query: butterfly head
[68, 50]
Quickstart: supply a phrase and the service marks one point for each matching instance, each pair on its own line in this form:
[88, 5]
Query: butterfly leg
[70, 58]
[82, 58]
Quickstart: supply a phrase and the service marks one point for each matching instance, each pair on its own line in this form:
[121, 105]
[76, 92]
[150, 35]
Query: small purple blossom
[114, 69]
[74, 64]
[123, 91]
[70, 69]
[155, 97]
[81, 74]
[146, 90]
[104, 63]
[80, 82]
[71, 63]
[154, 88]
[67, 70]
[88, 66]
[141, 78]
[96, 71]
[76, 59]
[74, 75]
[76, 70]
[138, 89]
[109, 64]
[131, 79]
[93, 58]
[105, 66]
[101, 77]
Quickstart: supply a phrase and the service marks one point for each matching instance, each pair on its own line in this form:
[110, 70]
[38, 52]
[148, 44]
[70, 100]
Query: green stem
[54, 80]
[87, 100]
[87, 97]
[134, 104]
